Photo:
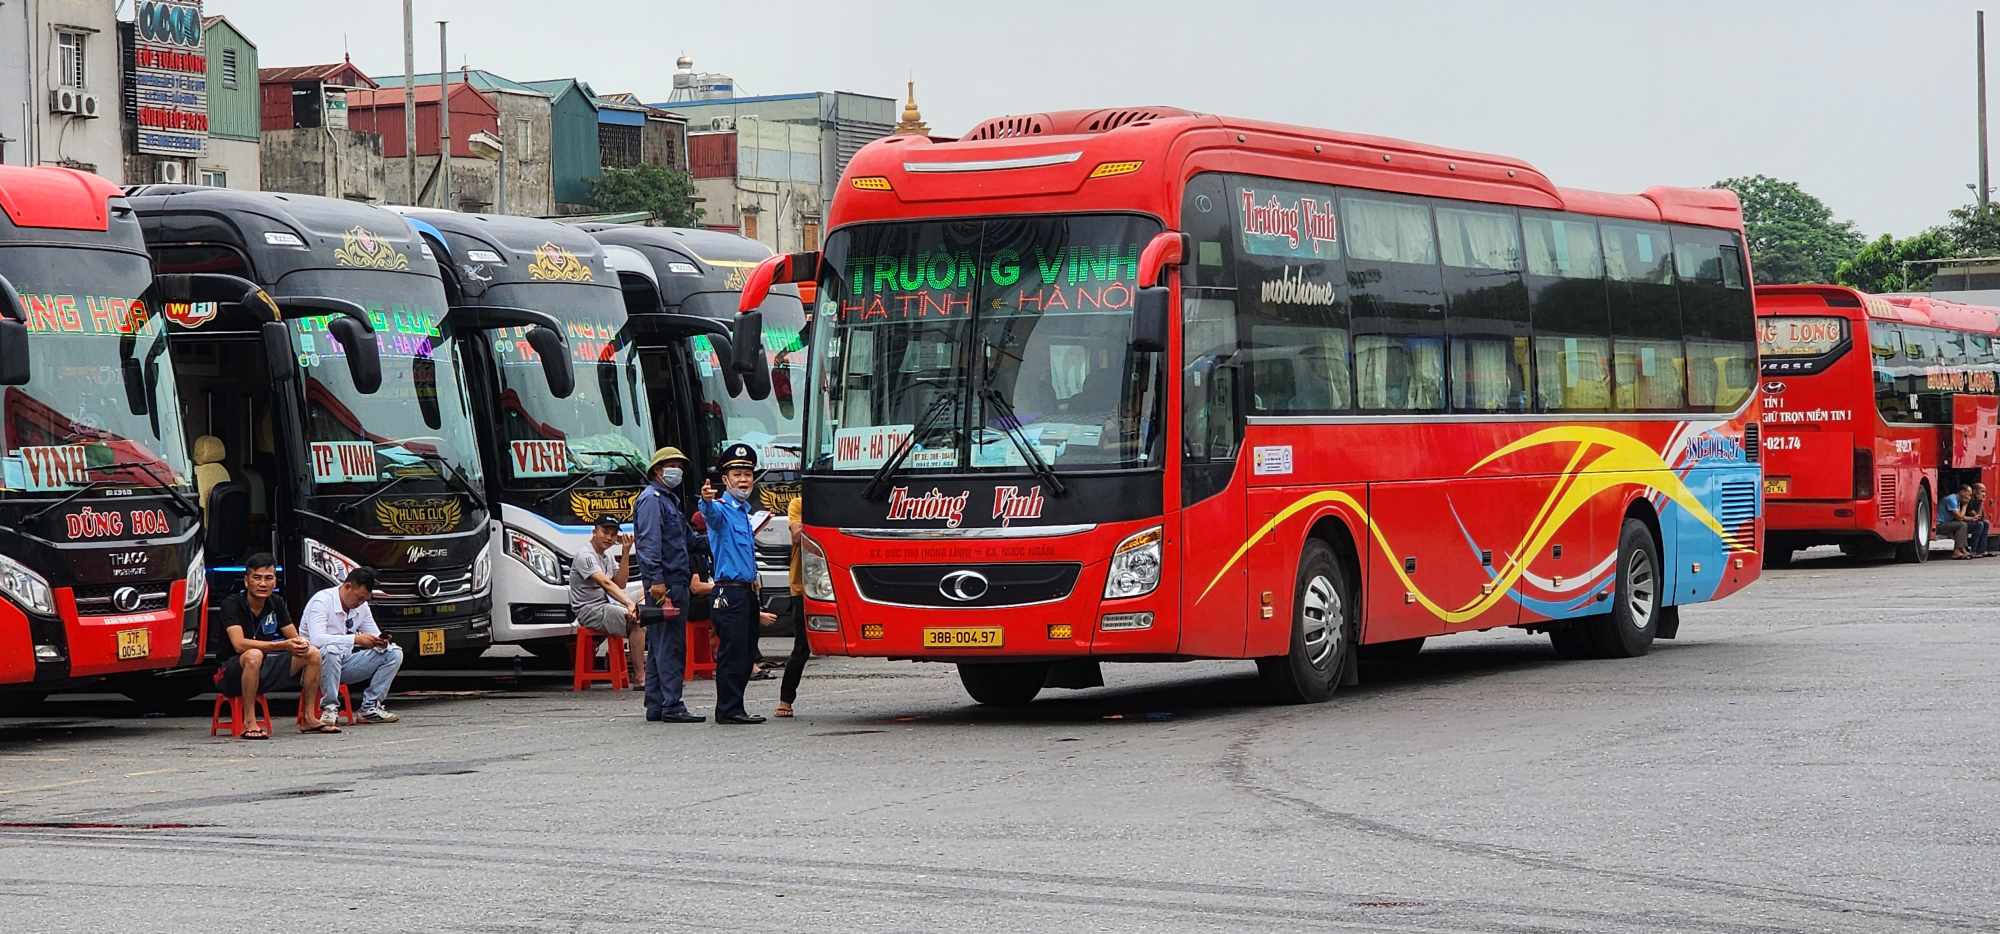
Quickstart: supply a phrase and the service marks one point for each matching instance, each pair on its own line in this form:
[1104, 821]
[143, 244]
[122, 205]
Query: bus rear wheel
[1003, 684]
[1321, 633]
[1918, 549]
[1639, 601]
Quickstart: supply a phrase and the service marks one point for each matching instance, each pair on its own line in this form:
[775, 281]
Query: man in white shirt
[352, 648]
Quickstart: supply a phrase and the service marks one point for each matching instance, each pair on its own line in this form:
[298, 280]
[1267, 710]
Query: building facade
[575, 158]
[524, 130]
[308, 147]
[474, 179]
[235, 146]
[60, 71]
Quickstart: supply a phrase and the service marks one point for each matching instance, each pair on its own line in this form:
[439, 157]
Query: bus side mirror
[279, 361]
[1149, 320]
[725, 355]
[13, 336]
[13, 353]
[746, 344]
[364, 357]
[554, 351]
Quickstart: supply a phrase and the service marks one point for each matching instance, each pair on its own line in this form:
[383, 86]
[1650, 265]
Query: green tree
[1878, 265]
[664, 193]
[1974, 230]
[1793, 235]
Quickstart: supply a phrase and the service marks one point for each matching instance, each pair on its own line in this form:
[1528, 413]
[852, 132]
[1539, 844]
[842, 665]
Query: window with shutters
[69, 58]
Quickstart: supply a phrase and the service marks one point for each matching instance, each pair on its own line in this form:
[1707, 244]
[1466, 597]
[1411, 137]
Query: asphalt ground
[1815, 754]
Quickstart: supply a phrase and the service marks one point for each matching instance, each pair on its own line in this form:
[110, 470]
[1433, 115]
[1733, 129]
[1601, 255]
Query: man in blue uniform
[734, 611]
[660, 535]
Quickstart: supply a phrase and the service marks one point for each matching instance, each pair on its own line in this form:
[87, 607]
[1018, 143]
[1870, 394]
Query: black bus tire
[1571, 639]
[1638, 601]
[1918, 549]
[1003, 684]
[1322, 632]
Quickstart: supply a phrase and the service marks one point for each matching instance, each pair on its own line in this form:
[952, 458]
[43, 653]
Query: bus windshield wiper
[629, 465]
[36, 516]
[165, 487]
[1011, 427]
[452, 472]
[355, 505]
[878, 485]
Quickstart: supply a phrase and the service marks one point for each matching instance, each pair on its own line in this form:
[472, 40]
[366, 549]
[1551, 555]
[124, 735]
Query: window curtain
[1388, 231]
[1478, 240]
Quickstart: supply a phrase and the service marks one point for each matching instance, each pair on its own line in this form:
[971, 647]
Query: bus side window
[1397, 295]
[1717, 317]
[1486, 307]
[1885, 346]
[1567, 305]
[1649, 370]
[1210, 416]
[1205, 219]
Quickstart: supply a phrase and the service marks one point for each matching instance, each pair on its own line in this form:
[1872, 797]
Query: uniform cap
[739, 455]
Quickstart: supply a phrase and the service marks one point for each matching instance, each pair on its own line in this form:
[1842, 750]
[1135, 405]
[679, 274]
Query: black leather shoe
[682, 717]
[744, 719]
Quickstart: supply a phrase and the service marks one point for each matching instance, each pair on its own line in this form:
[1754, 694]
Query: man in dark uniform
[660, 535]
[734, 610]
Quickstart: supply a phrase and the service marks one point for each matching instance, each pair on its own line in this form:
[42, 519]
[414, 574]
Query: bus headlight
[482, 571]
[1135, 565]
[816, 576]
[529, 551]
[197, 578]
[327, 562]
[28, 588]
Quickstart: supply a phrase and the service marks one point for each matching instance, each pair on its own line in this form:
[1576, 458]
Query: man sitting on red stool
[270, 653]
[597, 592]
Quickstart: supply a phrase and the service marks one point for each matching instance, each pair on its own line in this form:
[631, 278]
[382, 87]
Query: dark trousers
[734, 616]
[666, 656]
[788, 689]
[1979, 533]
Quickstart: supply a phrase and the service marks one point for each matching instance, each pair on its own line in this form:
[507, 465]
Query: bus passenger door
[1213, 529]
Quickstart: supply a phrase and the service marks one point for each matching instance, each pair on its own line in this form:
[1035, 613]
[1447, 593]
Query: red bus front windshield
[964, 331]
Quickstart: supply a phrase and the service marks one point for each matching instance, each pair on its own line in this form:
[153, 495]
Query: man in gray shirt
[597, 591]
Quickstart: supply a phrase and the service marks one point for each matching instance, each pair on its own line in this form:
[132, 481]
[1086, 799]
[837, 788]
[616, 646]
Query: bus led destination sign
[943, 283]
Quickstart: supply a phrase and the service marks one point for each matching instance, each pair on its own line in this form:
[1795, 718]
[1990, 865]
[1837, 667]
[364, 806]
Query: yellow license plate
[988, 637]
[1777, 486]
[133, 643]
[430, 642]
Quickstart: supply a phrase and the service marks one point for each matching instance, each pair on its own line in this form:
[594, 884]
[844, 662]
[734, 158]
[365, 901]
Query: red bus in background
[1143, 384]
[101, 567]
[1874, 407]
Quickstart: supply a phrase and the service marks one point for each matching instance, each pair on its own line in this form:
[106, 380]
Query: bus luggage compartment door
[1451, 542]
[1808, 465]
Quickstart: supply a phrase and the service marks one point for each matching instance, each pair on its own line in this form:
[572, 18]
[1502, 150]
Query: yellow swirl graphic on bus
[1624, 461]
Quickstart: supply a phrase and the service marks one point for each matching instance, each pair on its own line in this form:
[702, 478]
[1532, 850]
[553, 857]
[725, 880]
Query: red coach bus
[1874, 407]
[1144, 384]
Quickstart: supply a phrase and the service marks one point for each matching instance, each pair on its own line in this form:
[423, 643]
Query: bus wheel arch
[1330, 527]
[1667, 612]
[1320, 645]
[1918, 549]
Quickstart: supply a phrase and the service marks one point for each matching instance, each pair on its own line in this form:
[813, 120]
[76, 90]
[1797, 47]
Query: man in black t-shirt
[270, 655]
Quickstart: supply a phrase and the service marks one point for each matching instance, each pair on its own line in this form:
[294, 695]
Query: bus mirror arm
[782, 269]
[545, 335]
[1150, 311]
[13, 336]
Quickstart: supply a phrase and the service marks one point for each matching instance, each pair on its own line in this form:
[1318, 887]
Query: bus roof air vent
[1070, 122]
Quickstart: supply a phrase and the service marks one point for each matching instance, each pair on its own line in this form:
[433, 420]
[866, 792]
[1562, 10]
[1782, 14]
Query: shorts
[607, 618]
[276, 676]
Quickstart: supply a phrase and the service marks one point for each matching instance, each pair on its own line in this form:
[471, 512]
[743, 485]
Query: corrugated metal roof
[313, 73]
[477, 77]
[464, 99]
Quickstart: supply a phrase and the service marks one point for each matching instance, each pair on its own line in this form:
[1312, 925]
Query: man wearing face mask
[660, 535]
[734, 612]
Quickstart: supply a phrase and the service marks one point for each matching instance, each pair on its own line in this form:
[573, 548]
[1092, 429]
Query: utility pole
[410, 96]
[1981, 21]
[444, 121]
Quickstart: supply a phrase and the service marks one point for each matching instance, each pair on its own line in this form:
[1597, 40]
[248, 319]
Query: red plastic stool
[263, 709]
[700, 651]
[346, 708]
[586, 673]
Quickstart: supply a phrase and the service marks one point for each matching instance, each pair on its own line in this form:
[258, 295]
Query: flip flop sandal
[322, 728]
[783, 712]
[255, 734]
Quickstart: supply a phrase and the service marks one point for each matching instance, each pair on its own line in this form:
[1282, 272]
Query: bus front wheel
[1003, 684]
[1321, 629]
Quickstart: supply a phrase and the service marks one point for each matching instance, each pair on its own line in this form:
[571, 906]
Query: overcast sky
[1870, 106]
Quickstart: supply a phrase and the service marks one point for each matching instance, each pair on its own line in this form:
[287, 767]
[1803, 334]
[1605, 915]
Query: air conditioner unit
[719, 123]
[171, 173]
[86, 105]
[63, 100]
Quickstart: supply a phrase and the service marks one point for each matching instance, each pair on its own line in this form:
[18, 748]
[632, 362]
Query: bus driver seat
[209, 471]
